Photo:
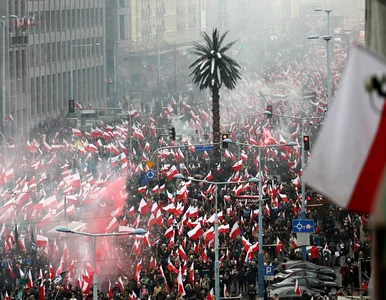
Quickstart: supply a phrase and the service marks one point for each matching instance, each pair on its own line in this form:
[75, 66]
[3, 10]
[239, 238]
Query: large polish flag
[348, 160]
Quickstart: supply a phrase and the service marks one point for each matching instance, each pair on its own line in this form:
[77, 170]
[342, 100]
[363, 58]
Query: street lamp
[261, 242]
[327, 38]
[327, 11]
[216, 241]
[303, 184]
[65, 229]
[71, 67]
[4, 23]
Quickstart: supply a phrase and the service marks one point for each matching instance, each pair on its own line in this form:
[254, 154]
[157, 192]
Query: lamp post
[71, 67]
[115, 73]
[4, 20]
[327, 11]
[261, 242]
[65, 229]
[327, 38]
[216, 241]
[303, 184]
[5, 146]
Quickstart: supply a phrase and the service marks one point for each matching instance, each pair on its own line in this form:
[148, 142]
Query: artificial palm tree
[212, 69]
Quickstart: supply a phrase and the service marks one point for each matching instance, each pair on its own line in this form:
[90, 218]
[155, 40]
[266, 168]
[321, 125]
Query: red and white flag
[11, 274]
[235, 231]
[52, 272]
[76, 132]
[238, 165]
[348, 160]
[297, 287]
[30, 282]
[196, 232]
[191, 274]
[41, 291]
[181, 289]
[210, 295]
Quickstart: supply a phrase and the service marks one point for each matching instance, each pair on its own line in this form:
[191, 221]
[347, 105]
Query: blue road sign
[269, 271]
[203, 148]
[150, 174]
[303, 226]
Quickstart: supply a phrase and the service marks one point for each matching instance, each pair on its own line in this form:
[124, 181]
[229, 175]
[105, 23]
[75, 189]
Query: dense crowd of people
[64, 174]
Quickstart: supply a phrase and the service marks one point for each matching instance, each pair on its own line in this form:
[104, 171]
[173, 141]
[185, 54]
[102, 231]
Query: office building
[47, 40]
[140, 30]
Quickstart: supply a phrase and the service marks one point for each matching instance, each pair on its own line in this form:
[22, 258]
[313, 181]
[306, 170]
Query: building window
[53, 22]
[64, 20]
[37, 55]
[38, 95]
[78, 21]
[122, 35]
[48, 24]
[49, 99]
[73, 17]
[33, 97]
[24, 71]
[83, 18]
[48, 53]
[59, 51]
[53, 52]
[31, 56]
[60, 92]
[58, 21]
[54, 92]
[92, 18]
[43, 94]
[68, 25]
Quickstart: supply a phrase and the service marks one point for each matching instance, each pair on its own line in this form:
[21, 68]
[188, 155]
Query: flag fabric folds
[348, 160]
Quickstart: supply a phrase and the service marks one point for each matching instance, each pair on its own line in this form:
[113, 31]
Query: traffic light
[306, 142]
[223, 137]
[269, 108]
[172, 133]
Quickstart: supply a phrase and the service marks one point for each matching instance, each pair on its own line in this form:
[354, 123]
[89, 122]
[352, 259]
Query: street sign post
[269, 272]
[203, 148]
[150, 174]
[303, 226]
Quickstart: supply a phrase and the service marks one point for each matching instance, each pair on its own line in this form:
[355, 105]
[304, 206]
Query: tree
[212, 69]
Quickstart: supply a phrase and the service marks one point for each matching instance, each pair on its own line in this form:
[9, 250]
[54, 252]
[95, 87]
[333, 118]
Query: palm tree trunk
[216, 129]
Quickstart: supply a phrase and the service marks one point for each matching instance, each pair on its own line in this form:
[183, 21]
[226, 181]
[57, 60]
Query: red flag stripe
[372, 170]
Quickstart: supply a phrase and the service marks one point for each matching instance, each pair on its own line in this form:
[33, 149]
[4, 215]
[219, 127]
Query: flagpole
[95, 279]
[261, 242]
[5, 154]
[303, 187]
[216, 246]
[3, 74]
